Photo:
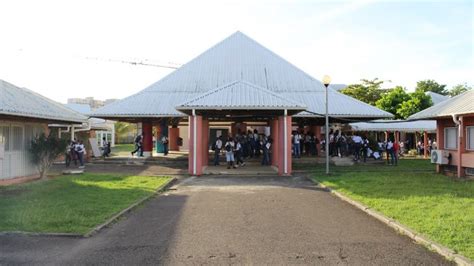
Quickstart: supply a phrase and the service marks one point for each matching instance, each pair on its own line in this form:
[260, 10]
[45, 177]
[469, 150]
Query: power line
[145, 62]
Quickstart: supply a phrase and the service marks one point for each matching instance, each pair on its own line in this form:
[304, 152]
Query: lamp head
[326, 80]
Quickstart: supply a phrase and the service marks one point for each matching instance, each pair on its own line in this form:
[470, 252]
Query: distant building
[93, 103]
[101, 127]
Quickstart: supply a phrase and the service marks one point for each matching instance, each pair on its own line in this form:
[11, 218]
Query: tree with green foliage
[369, 91]
[392, 100]
[44, 150]
[123, 130]
[418, 101]
[458, 89]
[431, 85]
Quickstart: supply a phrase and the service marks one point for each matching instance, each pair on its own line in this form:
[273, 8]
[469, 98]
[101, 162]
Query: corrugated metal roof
[241, 95]
[17, 101]
[436, 97]
[395, 125]
[236, 58]
[461, 104]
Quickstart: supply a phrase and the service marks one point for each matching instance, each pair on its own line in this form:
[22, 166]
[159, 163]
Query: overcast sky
[47, 46]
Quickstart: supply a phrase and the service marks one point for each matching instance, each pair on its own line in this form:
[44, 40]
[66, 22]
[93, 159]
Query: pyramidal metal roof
[16, 101]
[458, 105]
[237, 57]
[436, 97]
[240, 95]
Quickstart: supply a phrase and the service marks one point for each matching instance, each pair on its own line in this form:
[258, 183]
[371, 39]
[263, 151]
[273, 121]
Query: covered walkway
[236, 82]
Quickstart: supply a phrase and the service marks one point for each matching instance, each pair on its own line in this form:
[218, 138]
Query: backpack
[137, 139]
[228, 147]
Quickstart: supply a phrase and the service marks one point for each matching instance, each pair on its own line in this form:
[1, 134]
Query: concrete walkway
[226, 220]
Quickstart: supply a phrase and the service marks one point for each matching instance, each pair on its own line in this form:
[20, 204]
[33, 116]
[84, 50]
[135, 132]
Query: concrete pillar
[147, 128]
[461, 147]
[205, 142]
[195, 145]
[173, 135]
[275, 145]
[284, 149]
[439, 141]
[425, 144]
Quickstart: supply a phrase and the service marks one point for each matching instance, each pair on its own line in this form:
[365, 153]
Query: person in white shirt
[229, 152]
[266, 149]
[390, 152]
[296, 145]
[165, 142]
[81, 151]
[217, 150]
[357, 140]
[238, 152]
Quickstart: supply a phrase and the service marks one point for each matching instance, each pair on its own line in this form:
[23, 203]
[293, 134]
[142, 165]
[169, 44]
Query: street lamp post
[326, 81]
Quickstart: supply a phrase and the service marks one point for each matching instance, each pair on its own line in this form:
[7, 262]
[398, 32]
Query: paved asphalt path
[227, 220]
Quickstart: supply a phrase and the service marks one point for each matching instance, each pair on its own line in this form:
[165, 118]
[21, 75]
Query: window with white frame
[451, 138]
[470, 138]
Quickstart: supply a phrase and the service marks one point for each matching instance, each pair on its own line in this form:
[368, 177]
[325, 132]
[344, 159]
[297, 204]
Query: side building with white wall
[25, 114]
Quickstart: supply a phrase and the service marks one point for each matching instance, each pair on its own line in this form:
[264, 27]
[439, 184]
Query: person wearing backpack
[81, 151]
[138, 145]
[217, 150]
[229, 152]
[238, 153]
[266, 149]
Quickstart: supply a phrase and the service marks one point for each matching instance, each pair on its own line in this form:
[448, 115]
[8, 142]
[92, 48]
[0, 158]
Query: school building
[455, 133]
[24, 115]
[234, 86]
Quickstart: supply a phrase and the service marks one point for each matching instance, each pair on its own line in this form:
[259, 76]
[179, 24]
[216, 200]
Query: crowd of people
[243, 146]
[252, 144]
[355, 145]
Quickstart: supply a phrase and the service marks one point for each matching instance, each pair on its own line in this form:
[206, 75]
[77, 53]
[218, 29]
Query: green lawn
[413, 194]
[71, 204]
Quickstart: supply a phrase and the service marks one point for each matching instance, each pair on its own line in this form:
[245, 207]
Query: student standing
[81, 151]
[229, 153]
[296, 145]
[238, 153]
[217, 150]
[390, 151]
[165, 141]
[266, 149]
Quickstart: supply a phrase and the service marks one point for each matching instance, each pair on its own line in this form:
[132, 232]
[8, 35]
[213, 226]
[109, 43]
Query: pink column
[275, 137]
[425, 144]
[439, 141]
[205, 142]
[195, 145]
[461, 147]
[284, 151]
[173, 135]
[317, 134]
[147, 128]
